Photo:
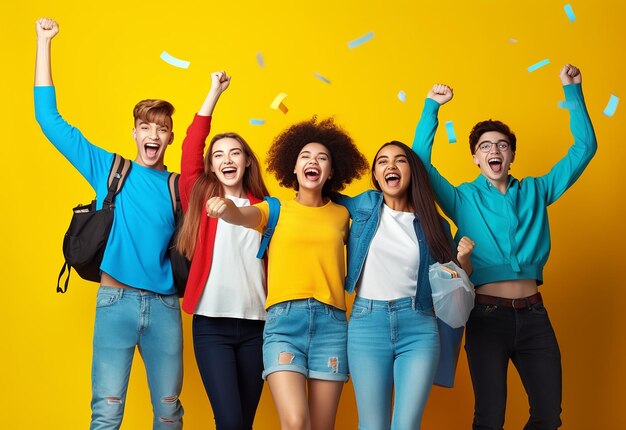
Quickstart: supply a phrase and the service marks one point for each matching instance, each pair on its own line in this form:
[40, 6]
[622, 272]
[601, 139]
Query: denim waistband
[133, 292]
[388, 305]
[309, 303]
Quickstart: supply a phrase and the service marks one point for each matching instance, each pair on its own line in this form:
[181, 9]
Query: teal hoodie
[510, 230]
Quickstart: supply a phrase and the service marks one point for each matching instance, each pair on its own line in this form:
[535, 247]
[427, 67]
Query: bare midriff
[513, 289]
[107, 280]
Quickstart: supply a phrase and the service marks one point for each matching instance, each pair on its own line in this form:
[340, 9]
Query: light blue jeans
[126, 318]
[391, 346]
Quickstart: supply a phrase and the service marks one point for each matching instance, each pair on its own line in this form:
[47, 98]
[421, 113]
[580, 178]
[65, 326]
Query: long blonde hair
[207, 186]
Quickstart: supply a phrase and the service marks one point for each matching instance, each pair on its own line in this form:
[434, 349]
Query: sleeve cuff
[573, 91]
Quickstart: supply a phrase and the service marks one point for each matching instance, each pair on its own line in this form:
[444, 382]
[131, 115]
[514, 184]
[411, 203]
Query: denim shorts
[308, 337]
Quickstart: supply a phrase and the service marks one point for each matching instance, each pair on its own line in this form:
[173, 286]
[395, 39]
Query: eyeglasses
[486, 146]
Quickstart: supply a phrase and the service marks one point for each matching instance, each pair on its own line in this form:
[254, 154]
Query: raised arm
[225, 209]
[46, 30]
[423, 145]
[192, 160]
[569, 168]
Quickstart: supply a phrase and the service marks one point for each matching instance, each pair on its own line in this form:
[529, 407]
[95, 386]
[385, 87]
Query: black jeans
[495, 335]
[229, 353]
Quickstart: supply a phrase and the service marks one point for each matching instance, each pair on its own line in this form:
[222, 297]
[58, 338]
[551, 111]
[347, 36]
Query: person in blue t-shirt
[137, 303]
[508, 220]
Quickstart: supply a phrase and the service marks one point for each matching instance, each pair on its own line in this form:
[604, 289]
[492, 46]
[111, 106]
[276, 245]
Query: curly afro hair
[347, 161]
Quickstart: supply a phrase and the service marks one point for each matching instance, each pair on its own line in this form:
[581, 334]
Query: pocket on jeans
[338, 315]
[538, 309]
[359, 311]
[106, 298]
[275, 312]
[170, 301]
[482, 310]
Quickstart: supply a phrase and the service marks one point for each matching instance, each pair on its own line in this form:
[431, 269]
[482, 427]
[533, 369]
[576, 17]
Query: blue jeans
[229, 353]
[391, 346]
[496, 335]
[126, 318]
[308, 337]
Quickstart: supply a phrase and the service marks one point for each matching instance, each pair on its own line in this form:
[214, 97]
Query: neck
[311, 198]
[501, 184]
[236, 191]
[400, 204]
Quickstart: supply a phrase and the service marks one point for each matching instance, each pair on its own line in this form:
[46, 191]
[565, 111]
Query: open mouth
[229, 172]
[312, 173]
[495, 164]
[392, 179]
[152, 149]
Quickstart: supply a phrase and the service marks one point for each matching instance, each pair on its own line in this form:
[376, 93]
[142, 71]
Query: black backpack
[86, 238]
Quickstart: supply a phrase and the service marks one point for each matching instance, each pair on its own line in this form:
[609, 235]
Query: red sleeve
[192, 160]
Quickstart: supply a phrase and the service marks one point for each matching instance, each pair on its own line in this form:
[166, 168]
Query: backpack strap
[274, 205]
[117, 176]
[175, 193]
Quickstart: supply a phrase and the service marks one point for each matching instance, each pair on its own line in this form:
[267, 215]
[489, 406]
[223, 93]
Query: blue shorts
[308, 337]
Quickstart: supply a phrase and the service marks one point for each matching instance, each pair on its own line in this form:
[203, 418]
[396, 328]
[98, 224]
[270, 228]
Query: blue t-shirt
[143, 225]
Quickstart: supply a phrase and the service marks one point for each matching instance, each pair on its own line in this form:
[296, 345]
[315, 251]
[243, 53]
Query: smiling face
[152, 140]
[392, 172]
[229, 163]
[313, 167]
[495, 160]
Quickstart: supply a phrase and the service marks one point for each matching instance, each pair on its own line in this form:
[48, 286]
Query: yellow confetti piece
[278, 103]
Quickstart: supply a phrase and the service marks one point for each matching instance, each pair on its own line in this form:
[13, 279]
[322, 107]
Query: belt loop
[370, 305]
[287, 306]
[528, 305]
[413, 303]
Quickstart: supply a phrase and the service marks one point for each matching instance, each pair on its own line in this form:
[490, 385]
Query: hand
[570, 75]
[464, 249]
[441, 93]
[46, 28]
[219, 82]
[216, 207]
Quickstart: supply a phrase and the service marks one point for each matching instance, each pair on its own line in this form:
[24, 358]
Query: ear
[330, 175]
[248, 162]
[134, 134]
[475, 159]
[171, 139]
[513, 158]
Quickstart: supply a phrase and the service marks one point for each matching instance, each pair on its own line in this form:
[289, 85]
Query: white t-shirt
[391, 266]
[235, 287]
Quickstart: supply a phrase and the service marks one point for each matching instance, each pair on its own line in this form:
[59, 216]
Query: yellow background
[106, 58]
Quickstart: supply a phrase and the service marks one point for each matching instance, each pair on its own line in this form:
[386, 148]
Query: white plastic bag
[453, 297]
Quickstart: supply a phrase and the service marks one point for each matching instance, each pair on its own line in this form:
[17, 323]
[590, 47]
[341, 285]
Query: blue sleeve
[569, 168]
[343, 200]
[92, 162]
[446, 193]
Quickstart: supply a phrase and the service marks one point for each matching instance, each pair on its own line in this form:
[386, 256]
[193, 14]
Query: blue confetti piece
[610, 108]
[402, 96]
[260, 60]
[255, 121]
[361, 40]
[538, 65]
[567, 105]
[569, 12]
[176, 62]
[450, 132]
[321, 78]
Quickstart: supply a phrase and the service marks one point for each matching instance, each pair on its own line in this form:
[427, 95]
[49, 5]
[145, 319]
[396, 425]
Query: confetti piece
[569, 12]
[567, 105]
[278, 103]
[255, 121]
[321, 78]
[538, 65]
[361, 40]
[610, 108]
[402, 96]
[260, 60]
[450, 132]
[513, 40]
[174, 61]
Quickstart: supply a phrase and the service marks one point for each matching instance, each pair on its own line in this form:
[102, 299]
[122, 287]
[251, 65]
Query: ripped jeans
[128, 318]
[308, 337]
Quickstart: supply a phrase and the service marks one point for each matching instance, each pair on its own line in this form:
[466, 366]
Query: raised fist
[47, 28]
[441, 93]
[570, 75]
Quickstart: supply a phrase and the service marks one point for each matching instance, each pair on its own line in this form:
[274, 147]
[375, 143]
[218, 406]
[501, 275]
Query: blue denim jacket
[365, 210]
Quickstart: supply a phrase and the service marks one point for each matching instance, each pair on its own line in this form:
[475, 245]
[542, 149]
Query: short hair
[154, 110]
[491, 125]
[347, 161]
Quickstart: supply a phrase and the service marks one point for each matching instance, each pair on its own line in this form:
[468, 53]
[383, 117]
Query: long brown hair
[207, 186]
[422, 200]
